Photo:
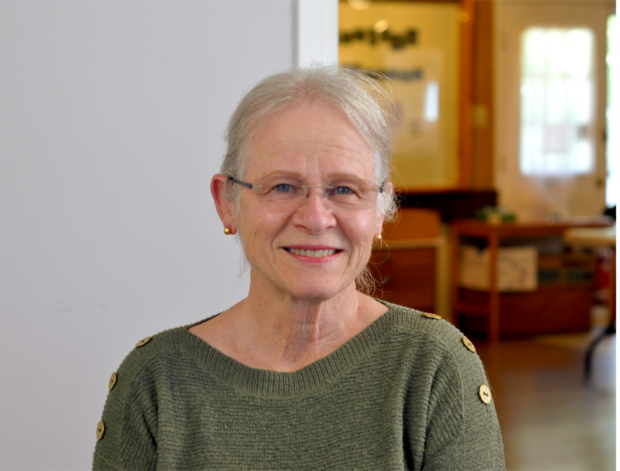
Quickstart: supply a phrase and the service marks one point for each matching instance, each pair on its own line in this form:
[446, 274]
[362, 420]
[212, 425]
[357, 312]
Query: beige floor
[551, 419]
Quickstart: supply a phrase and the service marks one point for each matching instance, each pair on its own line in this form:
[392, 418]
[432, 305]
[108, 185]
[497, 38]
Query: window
[557, 102]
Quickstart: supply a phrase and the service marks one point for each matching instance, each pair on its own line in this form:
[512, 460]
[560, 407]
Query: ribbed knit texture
[402, 394]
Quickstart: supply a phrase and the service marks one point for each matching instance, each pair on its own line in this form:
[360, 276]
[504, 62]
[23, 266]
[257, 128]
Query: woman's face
[316, 249]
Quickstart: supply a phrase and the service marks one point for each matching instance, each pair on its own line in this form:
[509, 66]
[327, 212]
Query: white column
[317, 32]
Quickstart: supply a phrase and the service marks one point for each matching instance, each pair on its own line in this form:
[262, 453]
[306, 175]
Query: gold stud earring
[379, 238]
[227, 231]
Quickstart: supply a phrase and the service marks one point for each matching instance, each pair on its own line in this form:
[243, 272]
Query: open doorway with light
[551, 103]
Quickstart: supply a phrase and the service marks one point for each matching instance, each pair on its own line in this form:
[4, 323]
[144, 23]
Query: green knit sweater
[405, 393]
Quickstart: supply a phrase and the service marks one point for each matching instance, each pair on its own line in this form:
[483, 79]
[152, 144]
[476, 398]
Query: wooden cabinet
[552, 308]
[404, 263]
[408, 276]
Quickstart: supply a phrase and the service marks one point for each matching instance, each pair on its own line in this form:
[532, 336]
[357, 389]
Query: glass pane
[416, 44]
[612, 113]
[557, 101]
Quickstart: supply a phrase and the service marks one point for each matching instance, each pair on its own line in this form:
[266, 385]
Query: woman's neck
[293, 331]
[282, 333]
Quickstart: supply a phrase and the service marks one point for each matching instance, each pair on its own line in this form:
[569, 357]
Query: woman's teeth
[312, 253]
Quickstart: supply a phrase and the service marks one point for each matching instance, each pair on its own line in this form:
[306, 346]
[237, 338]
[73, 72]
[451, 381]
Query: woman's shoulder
[451, 390]
[143, 379]
[436, 346]
[170, 343]
[429, 325]
[440, 350]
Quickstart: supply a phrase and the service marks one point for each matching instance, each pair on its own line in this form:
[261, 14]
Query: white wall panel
[317, 32]
[112, 121]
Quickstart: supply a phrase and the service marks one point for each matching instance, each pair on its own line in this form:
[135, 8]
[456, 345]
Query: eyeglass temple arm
[245, 184]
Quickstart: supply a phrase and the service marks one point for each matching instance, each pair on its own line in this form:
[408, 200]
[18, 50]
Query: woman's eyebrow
[283, 173]
[344, 176]
[335, 176]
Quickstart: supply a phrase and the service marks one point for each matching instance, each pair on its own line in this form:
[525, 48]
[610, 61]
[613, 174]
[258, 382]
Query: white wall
[112, 116]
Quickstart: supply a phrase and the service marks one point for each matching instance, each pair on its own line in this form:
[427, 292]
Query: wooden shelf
[560, 308]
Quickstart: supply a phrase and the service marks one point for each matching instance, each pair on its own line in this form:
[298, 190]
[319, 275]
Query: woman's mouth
[312, 253]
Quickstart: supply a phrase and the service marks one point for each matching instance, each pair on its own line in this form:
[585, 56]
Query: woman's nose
[315, 214]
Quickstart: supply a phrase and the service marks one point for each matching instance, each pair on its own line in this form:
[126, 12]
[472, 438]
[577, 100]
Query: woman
[306, 372]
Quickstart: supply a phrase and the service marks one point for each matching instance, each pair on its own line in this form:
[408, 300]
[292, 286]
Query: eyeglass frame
[381, 189]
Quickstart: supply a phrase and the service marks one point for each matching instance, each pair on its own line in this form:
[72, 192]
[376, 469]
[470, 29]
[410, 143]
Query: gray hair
[360, 95]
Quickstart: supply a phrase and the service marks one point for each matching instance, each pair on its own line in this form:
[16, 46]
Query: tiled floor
[551, 419]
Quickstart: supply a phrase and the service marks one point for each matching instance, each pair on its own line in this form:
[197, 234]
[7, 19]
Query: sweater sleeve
[130, 418]
[476, 448]
[462, 427]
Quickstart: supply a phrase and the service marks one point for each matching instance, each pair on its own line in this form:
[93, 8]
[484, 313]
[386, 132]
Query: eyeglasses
[287, 194]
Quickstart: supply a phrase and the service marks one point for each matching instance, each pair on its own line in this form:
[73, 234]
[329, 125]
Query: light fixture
[381, 26]
[359, 4]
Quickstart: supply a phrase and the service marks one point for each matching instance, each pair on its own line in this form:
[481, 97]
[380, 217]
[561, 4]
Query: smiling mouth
[312, 253]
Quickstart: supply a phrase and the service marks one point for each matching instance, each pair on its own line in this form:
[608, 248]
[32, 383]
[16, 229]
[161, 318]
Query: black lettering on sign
[370, 36]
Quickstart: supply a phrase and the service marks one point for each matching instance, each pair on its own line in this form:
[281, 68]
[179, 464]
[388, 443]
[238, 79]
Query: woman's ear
[225, 208]
[389, 189]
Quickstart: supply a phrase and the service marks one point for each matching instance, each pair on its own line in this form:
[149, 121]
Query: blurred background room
[506, 162]
[508, 170]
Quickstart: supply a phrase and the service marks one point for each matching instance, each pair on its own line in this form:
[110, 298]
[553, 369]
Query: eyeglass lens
[350, 193]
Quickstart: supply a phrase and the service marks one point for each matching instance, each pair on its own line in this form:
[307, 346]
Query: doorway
[551, 100]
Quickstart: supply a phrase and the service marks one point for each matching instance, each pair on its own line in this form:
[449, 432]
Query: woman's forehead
[310, 138]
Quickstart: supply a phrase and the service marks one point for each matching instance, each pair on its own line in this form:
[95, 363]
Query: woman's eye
[343, 190]
[283, 187]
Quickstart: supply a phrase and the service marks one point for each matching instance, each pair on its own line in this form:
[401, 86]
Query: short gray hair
[359, 94]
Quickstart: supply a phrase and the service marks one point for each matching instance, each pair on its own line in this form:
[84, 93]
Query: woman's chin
[322, 291]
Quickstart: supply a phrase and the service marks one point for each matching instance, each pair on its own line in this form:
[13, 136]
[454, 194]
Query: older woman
[306, 372]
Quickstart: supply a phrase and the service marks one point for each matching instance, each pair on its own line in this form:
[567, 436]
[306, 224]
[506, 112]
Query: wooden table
[604, 237]
[493, 234]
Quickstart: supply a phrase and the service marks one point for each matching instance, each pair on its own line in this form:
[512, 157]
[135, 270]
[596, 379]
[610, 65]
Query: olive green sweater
[405, 393]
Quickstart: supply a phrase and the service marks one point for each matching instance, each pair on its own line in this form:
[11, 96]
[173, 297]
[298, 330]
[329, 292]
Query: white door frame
[316, 36]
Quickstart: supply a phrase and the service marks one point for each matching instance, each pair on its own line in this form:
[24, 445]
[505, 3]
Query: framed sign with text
[418, 46]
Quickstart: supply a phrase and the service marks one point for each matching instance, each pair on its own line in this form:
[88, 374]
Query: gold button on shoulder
[469, 345]
[485, 394]
[112, 382]
[144, 341]
[100, 430]
[430, 315]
